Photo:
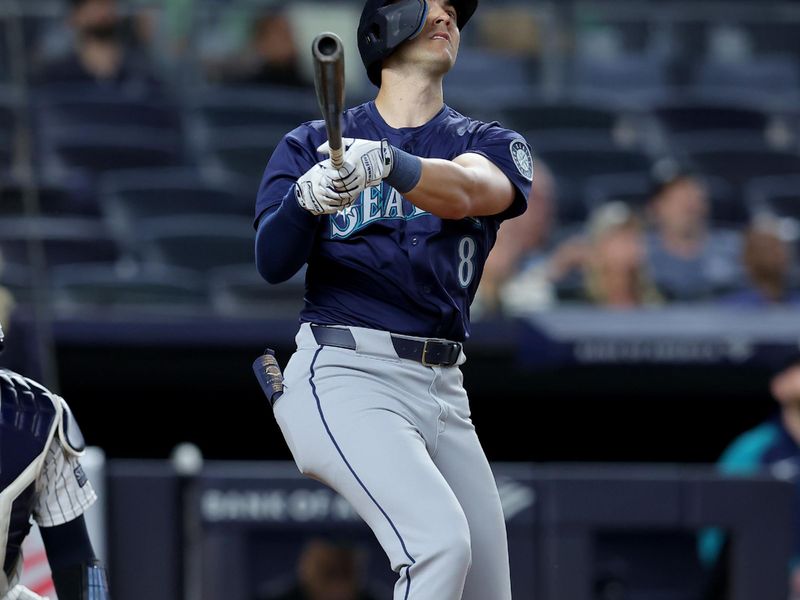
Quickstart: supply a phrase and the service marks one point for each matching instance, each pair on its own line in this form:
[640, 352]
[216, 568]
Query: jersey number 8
[466, 268]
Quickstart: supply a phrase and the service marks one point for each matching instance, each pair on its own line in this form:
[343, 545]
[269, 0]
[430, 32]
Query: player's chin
[444, 60]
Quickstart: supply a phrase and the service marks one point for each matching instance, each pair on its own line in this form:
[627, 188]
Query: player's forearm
[284, 240]
[468, 186]
[445, 189]
[77, 574]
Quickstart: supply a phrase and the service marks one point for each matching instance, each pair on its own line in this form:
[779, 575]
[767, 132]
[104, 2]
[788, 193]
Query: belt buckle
[424, 359]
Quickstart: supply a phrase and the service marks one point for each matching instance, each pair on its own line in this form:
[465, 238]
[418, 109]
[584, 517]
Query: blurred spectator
[606, 266]
[772, 448]
[521, 242]
[688, 260]
[271, 56]
[615, 268]
[101, 55]
[768, 262]
[326, 570]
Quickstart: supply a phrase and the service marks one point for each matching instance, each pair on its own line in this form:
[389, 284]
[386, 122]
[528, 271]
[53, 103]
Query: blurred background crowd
[666, 143]
[642, 309]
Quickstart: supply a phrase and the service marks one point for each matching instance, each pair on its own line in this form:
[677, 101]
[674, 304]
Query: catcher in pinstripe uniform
[41, 478]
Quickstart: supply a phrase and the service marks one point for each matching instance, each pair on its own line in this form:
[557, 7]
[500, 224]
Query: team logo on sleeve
[522, 158]
[80, 476]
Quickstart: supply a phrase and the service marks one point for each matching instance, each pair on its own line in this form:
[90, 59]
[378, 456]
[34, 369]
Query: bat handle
[337, 158]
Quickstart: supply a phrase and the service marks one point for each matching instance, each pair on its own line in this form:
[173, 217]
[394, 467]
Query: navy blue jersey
[383, 263]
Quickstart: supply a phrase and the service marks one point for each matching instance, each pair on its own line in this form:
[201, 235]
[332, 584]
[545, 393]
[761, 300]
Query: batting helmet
[385, 25]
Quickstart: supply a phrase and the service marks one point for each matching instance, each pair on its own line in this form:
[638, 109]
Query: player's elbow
[461, 202]
[271, 272]
[458, 207]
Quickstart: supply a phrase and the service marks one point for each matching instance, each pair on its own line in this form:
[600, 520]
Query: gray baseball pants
[395, 439]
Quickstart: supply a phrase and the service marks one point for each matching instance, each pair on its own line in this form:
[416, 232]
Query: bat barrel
[328, 53]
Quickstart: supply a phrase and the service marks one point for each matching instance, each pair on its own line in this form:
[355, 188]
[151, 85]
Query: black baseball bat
[328, 52]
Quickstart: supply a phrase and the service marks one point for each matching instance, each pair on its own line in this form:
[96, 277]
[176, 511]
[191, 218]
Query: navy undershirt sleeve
[67, 545]
[284, 239]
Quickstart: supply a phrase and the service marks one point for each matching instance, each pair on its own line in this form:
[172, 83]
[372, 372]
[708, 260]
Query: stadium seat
[132, 196]
[54, 197]
[260, 107]
[503, 78]
[778, 194]
[65, 241]
[767, 76]
[243, 151]
[631, 188]
[689, 117]
[561, 116]
[737, 162]
[574, 164]
[93, 287]
[196, 243]
[492, 69]
[634, 189]
[9, 116]
[238, 291]
[96, 108]
[627, 78]
[16, 279]
[96, 150]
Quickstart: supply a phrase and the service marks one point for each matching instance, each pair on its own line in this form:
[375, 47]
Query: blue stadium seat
[634, 189]
[129, 197]
[92, 287]
[197, 243]
[65, 241]
[92, 107]
[560, 118]
[243, 151]
[503, 78]
[16, 279]
[240, 290]
[259, 107]
[9, 116]
[631, 188]
[694, 116]
[97, 150]
[55, 197]
[573, 165]
[767, 76]
[491, 68]
[779, 194]
[627, 78]
[738, 162]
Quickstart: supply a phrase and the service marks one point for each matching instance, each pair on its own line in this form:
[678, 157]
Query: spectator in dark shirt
[688, 260]
[326, 570]
[772, 448]
[271, 58]
[768, 261]
[101, 57]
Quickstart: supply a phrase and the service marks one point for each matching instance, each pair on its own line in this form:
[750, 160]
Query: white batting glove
[366, 164]
[315, 193]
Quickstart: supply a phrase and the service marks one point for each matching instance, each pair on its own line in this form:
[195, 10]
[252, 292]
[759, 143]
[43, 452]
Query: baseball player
[41, 477]
[395, 241]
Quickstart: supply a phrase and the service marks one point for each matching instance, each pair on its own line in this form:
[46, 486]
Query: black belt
[431, 353]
